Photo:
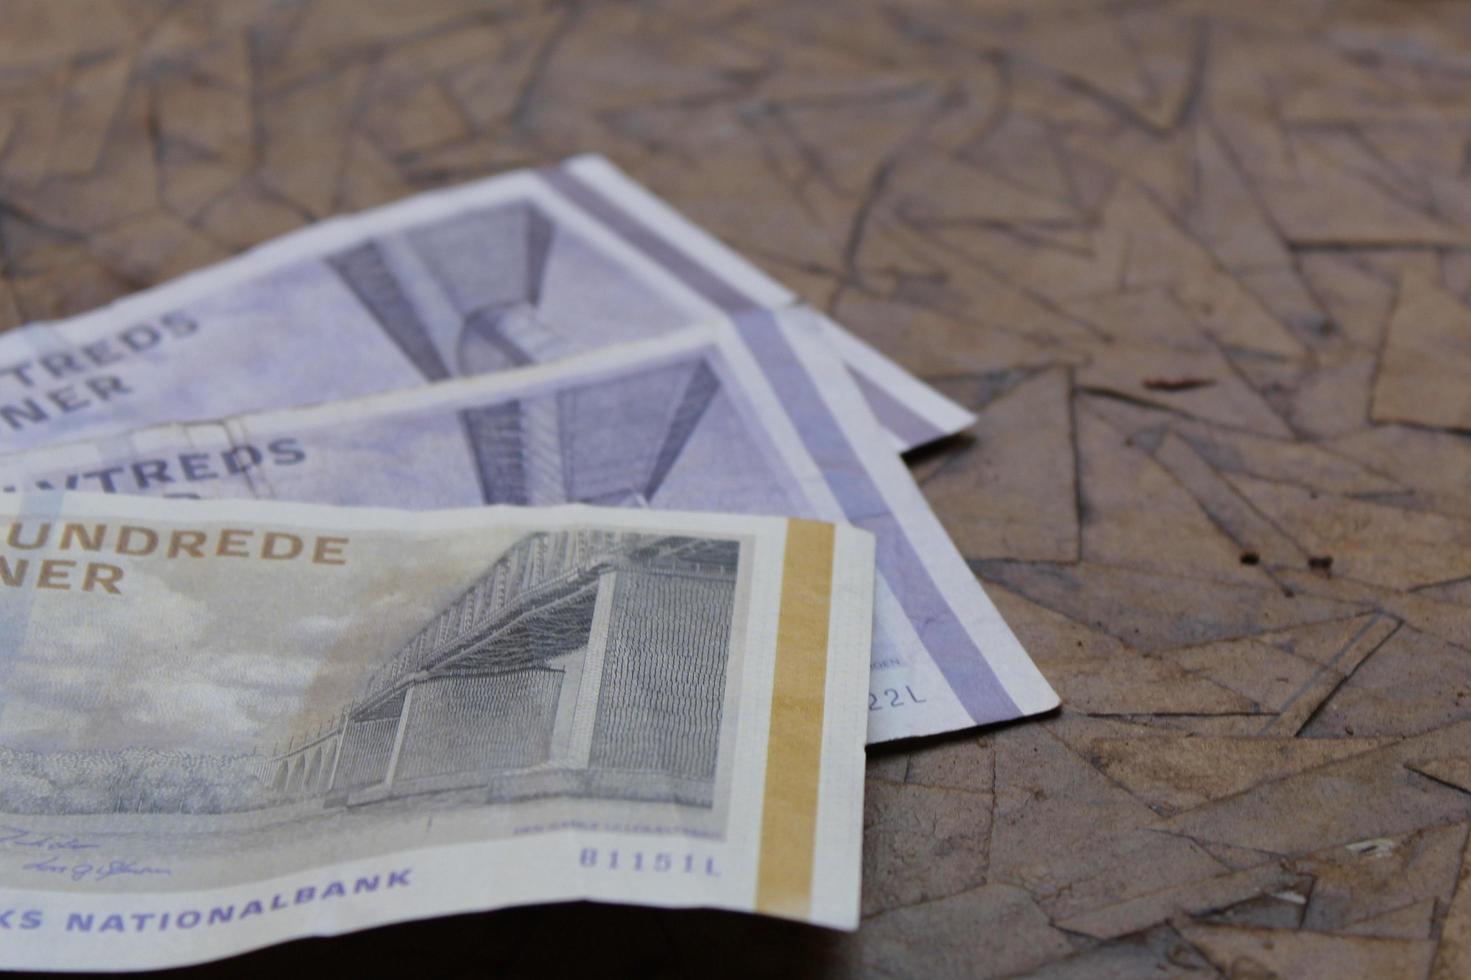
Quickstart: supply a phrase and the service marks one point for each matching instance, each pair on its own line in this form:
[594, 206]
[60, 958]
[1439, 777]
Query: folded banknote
[690, 420]
[527, 267]
[225, 724]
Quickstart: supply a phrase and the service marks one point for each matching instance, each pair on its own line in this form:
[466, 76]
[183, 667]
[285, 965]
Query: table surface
[1203, 269]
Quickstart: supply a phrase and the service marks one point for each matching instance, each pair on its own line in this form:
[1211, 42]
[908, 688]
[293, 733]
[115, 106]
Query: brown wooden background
[1204, 268]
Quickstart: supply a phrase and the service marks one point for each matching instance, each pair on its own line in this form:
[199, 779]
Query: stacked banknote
[265, 686]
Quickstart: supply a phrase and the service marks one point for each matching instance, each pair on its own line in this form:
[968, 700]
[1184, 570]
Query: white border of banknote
[793, 830]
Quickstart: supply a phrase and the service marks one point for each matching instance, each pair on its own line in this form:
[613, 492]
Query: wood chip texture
[1203, 268]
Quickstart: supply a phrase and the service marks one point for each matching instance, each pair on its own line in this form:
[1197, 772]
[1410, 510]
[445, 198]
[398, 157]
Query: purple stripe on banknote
[895, 416]
[702, 280]
[946, 639]
[950, 645]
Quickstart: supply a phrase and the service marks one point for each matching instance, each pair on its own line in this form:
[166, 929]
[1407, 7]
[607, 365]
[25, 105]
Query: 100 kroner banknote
[231, 723]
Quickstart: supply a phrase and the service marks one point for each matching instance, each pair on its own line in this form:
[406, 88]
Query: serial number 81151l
[612, 859]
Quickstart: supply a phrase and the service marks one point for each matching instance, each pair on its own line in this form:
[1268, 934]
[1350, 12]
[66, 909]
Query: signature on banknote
[53, 845]
[40, 840]
[90, 871]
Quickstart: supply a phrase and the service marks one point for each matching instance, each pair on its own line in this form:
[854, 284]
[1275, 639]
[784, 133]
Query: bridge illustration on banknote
[611, 443]
[495, 288]
[584, 664]
[526, 683]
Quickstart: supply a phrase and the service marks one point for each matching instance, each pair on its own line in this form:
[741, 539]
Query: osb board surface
[1204, 270]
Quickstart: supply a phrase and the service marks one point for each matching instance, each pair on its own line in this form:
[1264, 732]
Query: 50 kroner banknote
[523, 268]
[745, 418]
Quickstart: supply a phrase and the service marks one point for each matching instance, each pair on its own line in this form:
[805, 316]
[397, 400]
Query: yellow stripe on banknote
[794, 755]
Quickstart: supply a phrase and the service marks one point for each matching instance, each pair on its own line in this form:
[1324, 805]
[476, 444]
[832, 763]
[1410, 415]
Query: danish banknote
[225, 724]
[523, 268]
[693, 419]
